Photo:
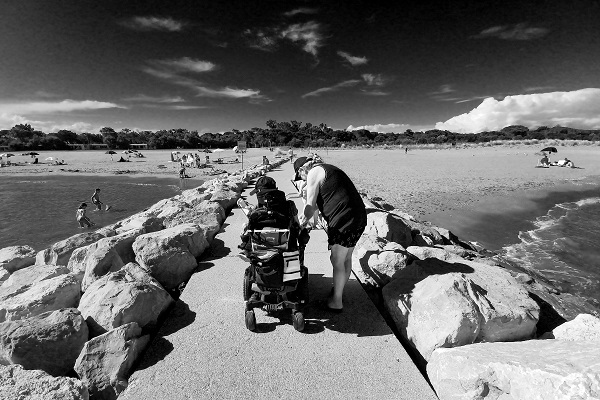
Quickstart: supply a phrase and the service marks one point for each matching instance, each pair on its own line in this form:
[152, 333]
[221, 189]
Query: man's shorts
[346, 239]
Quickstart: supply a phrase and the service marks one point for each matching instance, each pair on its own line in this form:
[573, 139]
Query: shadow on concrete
[178, 317]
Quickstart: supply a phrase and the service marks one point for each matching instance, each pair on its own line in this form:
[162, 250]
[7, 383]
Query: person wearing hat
[331, 192]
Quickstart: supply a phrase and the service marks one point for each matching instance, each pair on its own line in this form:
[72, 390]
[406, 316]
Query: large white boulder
[60, 252]
[582, 327]
[137, 222]
[14, 258]
[388, 226]
[532, 370]
[128, 295]
[18, 383]
[50, 341]
[19, 300]
[106, 255]
[375, 260]
[105, 361]
[436, 303]
[226, 197]
[171, 255]
[208, 214]
[195, 196]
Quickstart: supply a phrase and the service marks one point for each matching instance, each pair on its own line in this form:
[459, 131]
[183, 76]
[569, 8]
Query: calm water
[40, 210]
[563, 246]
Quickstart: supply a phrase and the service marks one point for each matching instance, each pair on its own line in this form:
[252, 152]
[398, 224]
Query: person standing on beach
[96, 200]
[82, 218]
[330, 191]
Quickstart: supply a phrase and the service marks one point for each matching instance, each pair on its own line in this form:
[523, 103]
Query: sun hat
[264, 183]
[300, 161]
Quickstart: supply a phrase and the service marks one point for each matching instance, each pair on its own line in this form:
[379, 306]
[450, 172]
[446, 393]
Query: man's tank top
[339, 202]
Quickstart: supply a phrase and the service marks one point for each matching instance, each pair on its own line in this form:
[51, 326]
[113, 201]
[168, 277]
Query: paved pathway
[204, 351]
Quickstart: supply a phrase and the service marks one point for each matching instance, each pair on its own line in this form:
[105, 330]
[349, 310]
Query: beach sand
[156, 163]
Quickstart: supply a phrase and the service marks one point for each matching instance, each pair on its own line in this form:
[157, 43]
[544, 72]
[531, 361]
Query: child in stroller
[273, 244]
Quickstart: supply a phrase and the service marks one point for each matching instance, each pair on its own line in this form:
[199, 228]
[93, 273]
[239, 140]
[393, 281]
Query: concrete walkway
[204, 351]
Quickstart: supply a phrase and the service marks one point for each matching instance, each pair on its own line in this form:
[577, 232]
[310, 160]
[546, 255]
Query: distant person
[330, 191]
[182, 172]
[96, 200]
[406, 150]
[544, 161]
[36, 161]
[82, 218]
[291, 154]
[265, 161]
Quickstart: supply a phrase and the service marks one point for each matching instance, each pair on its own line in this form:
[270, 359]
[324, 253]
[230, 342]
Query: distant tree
[109, 137]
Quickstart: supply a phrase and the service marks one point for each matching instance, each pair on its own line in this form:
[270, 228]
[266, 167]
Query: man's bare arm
[313, 181]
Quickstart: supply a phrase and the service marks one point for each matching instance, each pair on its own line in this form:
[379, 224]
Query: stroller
[276, 278]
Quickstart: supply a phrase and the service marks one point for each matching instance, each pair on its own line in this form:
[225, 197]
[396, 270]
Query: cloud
[151, 99]
[576, 109]
[374, 93]
[302, 10]
[186, 64]
[308, 33]
[55, 107]
[344, 84]
[382, 128]
[513, 32]
[375, 79]
[354, 61]
[170, 70]
[261, 40]
[154, 24]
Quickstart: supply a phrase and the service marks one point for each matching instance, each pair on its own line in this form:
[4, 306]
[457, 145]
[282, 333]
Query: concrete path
[204, 351]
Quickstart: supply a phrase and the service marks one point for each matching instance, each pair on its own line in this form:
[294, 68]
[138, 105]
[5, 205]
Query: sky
[214, 66]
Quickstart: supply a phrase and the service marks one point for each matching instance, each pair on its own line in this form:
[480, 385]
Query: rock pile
[87, 305]
[469, 320]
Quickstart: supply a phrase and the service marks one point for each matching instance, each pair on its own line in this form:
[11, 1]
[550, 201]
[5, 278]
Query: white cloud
[382, 128]
[154, 23]
[353, 60]
[151, 99]
[375, 79]
[302, 10]
[55, 107]
[513, 32]
[575, 109]
[227, 92]
[308, 33]
[186, 64]
[318, 92]
[77, 127]
[261, 40]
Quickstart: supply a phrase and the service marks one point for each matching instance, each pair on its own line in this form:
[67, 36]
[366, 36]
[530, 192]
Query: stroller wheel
[250, 321]
[298, 321]
[247, 285]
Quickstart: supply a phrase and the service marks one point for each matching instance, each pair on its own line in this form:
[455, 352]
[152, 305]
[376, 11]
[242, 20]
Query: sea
[554, 233]
[39, 210]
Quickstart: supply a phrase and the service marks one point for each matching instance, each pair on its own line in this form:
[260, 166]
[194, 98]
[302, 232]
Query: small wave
[143, 184]
[38, 182]
[587, 202]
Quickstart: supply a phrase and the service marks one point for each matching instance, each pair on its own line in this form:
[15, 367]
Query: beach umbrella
[207, 151]
[111, 152]
[50, 159]
[550, 149]
[7, 155]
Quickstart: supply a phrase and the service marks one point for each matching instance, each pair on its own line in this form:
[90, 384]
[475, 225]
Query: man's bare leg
[341, 260]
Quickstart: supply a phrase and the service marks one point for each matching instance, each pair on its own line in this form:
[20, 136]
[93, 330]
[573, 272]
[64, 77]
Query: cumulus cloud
[227, 92]
[265, 40]
[308, 33]
[344, 84]
[302, 10]
[381, 128]
[154, 24]
[375, 79]
[353, 60]
[576, 109]
[513, 32]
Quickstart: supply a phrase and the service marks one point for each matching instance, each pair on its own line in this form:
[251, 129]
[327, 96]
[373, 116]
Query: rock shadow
[359, 317]
[406, 278]
[178, 317]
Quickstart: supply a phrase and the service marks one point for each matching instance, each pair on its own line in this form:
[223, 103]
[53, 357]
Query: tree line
[293, 133]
